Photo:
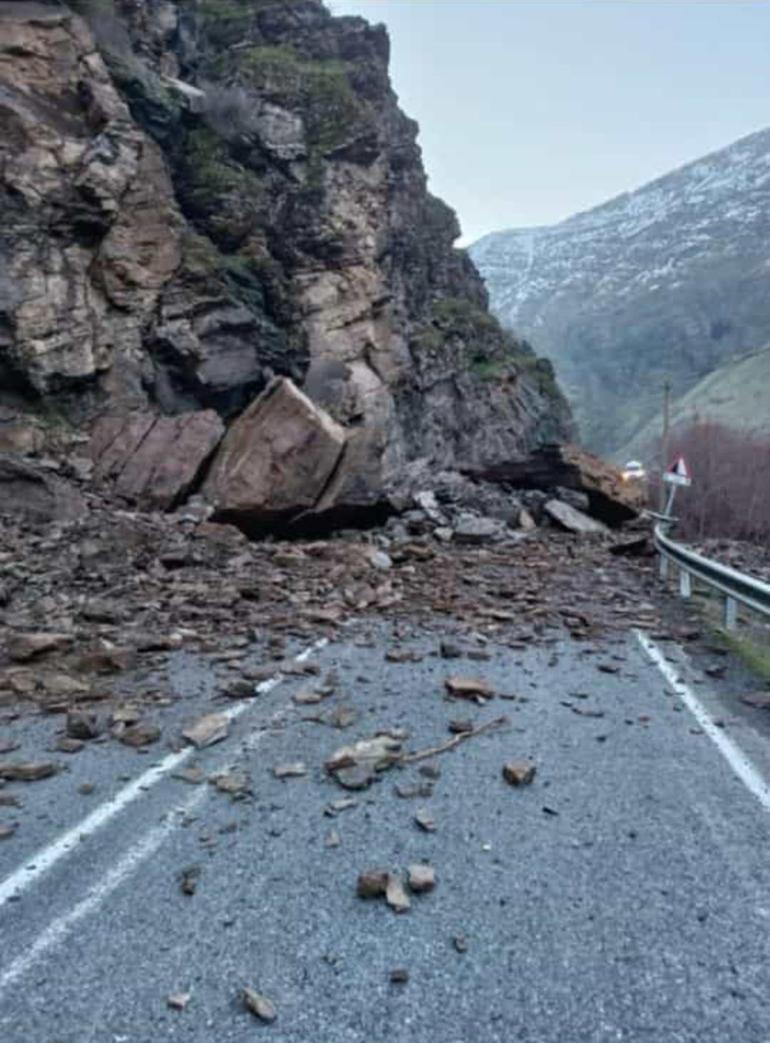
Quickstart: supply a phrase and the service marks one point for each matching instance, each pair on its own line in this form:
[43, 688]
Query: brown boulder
[610, 498]
[154, 460]
[28, 492]
[275, 460]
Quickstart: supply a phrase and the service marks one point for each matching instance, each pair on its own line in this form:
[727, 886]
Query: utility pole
[664, 450]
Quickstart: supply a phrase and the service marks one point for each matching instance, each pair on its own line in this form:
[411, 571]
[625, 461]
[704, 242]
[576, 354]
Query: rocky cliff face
[198, 196]
[670, 280]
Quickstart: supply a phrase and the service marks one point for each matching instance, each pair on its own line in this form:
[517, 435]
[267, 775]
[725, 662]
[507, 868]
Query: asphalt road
[623, 895]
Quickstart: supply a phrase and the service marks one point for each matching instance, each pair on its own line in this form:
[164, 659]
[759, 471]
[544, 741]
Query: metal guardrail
[737, 587]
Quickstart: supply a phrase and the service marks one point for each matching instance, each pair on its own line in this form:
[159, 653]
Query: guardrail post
[685, 584]
[663, 567]
[731, 613]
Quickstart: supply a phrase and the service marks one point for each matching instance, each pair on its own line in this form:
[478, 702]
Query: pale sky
[531, 110]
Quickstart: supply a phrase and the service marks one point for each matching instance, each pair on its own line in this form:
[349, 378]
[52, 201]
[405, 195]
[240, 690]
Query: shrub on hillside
[730, 492]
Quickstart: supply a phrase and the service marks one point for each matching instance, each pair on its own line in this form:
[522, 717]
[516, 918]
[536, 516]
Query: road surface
[623, 895]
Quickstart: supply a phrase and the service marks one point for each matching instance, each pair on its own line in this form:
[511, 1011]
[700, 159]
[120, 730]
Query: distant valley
[667, 282]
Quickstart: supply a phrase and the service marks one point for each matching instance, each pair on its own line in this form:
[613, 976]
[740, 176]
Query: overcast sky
[531, 110]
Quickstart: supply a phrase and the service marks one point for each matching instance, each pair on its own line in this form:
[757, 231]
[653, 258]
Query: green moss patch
[319, 90]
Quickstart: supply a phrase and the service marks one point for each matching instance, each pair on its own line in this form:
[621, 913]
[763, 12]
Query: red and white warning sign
[678, 473]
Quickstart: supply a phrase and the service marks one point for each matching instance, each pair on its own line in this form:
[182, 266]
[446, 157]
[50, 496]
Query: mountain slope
[736, 395]
[669, 280]
[197, 196]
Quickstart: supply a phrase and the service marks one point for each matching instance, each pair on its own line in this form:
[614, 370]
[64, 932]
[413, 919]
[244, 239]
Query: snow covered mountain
[671, 280]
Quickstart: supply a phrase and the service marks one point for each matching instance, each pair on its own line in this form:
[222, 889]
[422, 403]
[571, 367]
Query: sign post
[677, 474]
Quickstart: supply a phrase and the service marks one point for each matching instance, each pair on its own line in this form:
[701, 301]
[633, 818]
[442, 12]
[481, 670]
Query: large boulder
[565, 466]
[31, 493]
[275, 461]
[152, 460]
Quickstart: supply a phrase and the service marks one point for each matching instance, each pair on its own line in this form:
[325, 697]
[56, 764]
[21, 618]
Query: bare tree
[730, 492]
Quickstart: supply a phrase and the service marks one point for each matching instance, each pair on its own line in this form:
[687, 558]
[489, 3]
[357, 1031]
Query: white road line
[58, 929]
[40, 863]
[732, 753]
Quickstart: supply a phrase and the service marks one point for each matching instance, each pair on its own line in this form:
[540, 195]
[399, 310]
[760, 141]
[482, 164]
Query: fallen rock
[519, 773]
[399, 976]
[372, 883]
[275, 460]
[460, 727]
[638, 547]
[395, 895]
[104, 658]
[421, 877]
[293, 770]
[213, 727]
[610, 498]
[258, 1005]
[421, 789]
[572, 519]
[472, 688]
[334, 807]
[403, 655]
[473, 530]
[425, 820]
[354, 767]
[240, 689]
[341, 717]
[7, 831]
[759, 700]
[82, 725]
[27, 771]
[235, 783]
[307, 697]
[178, 1000]
[154, 460]
[188, 880]
[380, 560]
[140, 734]
[64, 686]
[67, 745]
[22, 647]
[525, 520]
[192, 775]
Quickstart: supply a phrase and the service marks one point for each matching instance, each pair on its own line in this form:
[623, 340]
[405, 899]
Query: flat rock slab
[472, 688]
[213, 727]
[154, 460]
[572, 519]
[292, 770]
[30, 771]
[140, 734]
